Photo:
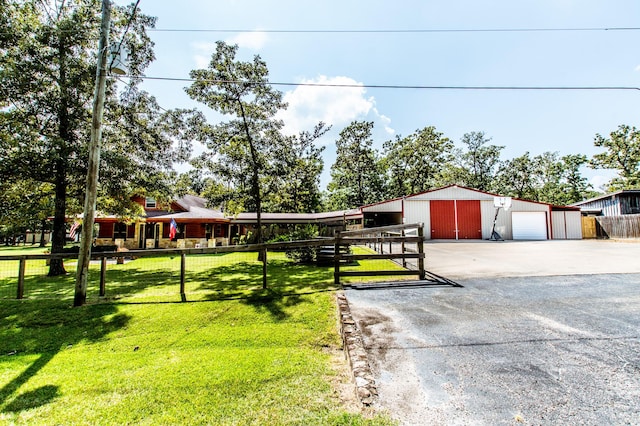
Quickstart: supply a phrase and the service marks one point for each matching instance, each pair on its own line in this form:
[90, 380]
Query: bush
[302, 254]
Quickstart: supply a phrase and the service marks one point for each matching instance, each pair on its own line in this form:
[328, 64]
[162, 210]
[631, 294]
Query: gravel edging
[365, 385]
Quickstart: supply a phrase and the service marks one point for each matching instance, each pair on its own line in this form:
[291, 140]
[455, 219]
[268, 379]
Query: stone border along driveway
[366, 389]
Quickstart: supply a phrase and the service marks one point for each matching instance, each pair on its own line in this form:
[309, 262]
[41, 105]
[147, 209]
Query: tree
[475, 166]
[622, 153]
[295, 183]
[240, 149]
[356, 174]
[547, 178]
[577, 187]
[518, 178]
[48, 65]
[25, 204]
[415, 163]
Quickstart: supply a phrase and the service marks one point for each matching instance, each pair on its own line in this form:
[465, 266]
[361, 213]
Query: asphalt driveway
[544, 344]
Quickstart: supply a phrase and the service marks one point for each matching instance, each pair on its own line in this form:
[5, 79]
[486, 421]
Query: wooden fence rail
[380, 235]
[392, 235]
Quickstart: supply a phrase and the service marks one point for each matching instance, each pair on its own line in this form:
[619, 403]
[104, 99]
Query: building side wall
[503, 220]
[417, 211]
[388, 206]
[609, 206]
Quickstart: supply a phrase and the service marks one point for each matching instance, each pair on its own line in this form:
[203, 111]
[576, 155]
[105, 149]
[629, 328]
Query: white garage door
[529, 225]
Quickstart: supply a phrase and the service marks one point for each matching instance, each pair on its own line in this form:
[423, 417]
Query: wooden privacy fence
[624, 226]
[391, 235]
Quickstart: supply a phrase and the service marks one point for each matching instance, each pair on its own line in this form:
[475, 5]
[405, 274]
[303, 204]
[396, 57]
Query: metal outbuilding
[458, 213]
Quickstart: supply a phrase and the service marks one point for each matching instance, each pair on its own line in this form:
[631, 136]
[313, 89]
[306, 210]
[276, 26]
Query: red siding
[106, 230]
[443, 219]
[469, 222]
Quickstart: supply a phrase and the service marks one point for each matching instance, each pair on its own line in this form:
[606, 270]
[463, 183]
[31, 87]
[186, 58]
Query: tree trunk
[43, 226]
[255, 177]
[59, 232]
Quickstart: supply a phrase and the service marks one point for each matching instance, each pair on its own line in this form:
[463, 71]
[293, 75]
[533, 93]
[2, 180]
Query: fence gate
[399, 250]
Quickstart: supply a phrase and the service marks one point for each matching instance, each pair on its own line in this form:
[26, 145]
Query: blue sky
[533, 121]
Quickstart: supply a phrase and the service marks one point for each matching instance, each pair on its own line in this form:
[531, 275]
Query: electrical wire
[384, 31]
[126, 30]
[389, 86]
[397, 31]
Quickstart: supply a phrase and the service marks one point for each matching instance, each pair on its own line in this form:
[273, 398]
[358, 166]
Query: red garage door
[455, 219]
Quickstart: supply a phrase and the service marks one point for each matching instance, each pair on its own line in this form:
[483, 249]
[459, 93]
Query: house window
[150, 203]
[120, 231]
[220, 231]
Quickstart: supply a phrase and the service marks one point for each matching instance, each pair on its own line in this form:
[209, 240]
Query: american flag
[74, 230]
[173, 229]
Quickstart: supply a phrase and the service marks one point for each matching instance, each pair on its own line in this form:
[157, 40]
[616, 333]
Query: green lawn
[232, 354]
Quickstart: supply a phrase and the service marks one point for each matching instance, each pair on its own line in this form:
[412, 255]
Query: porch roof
[297, 218]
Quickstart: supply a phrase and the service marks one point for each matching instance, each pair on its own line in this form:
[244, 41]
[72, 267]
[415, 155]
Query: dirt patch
[378, 331]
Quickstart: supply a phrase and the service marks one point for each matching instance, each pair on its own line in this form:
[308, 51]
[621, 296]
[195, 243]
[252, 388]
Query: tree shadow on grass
[32, 399]
[287, 284]
[44, 328]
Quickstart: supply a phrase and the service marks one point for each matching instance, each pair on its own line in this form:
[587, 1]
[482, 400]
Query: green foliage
[293, 187]
[48, 65]
[547, 178]
[622, 153]
[476, 165]
[302, 254]
[357, 173]
[415, 163]
[240, 149]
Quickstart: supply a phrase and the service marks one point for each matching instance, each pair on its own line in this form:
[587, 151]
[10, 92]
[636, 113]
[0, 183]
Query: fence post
[404, 259]
[264, 267]
[21, 268]
[336, 260]
[103, 274]
[183, 262]
[421, 251]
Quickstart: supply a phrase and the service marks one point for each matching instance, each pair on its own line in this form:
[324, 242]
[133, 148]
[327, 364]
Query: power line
[382, 31]
[126, 30]
[389, 86]
[397, 31]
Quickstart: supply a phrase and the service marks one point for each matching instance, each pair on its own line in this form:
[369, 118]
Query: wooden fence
[394, 234]
[405, 245]
[625, 226]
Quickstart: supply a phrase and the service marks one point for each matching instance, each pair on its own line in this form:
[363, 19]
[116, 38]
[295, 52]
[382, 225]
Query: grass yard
[233, 354]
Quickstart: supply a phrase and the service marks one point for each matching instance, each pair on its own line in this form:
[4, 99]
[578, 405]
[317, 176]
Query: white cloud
[203, 50]
[600, 182]
[254, 40]
[336, 106]
[638, 68]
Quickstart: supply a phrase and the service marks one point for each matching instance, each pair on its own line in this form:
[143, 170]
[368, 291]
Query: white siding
[503, 221]
[574, 225]
[417, 211]
[452, 193]
[394, 206]
[566, 225]
[559, 225]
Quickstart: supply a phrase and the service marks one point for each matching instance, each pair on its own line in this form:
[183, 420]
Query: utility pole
[86, 239]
